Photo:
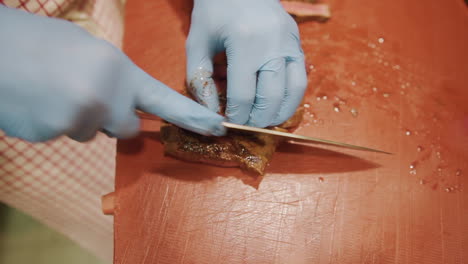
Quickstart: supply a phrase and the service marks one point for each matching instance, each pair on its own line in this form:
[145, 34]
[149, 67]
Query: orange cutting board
[389, 74]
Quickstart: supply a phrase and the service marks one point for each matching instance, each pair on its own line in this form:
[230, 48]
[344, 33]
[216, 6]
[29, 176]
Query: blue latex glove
[56, 79]
[266, 72]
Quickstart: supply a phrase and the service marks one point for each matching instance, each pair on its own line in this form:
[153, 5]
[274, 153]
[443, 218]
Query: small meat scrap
[306, 10]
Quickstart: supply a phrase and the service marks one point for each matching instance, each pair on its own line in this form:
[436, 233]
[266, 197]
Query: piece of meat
[249, 151]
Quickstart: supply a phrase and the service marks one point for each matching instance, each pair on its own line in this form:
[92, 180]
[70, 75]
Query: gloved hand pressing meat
[266, 72]
[56, 79]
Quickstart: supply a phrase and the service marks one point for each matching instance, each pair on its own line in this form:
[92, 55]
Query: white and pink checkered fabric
[42, 7]
[61, 182]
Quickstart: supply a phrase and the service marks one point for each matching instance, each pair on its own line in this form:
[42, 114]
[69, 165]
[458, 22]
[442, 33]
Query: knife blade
[300, 137]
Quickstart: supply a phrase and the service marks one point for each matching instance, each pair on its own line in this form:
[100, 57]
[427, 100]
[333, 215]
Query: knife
[292, 136]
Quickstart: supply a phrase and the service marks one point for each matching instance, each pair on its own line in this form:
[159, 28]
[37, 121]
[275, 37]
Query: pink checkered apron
[60, 183]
